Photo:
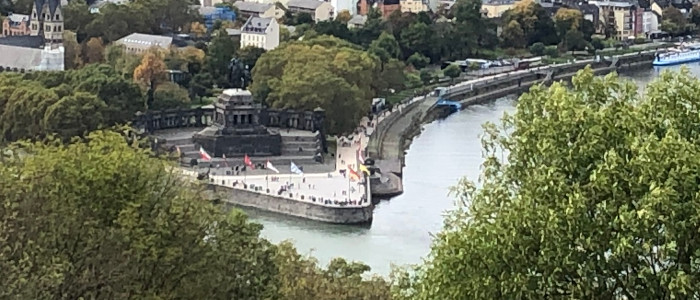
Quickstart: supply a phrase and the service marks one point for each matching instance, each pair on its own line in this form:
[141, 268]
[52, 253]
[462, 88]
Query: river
[401, 231]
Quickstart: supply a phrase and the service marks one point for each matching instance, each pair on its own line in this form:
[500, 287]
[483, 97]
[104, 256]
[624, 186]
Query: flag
[364, 169]
[353, 174]
[359, 155]
[225, 162]
[295, 169]
[269, 166]
[247, 162]
[203, 154]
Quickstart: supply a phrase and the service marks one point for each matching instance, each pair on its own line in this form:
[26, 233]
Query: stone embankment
[394, 132]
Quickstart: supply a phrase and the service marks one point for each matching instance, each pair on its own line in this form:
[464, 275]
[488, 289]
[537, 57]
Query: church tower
[47, 20]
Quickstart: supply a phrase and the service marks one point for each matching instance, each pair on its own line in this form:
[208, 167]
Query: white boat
[687, 54]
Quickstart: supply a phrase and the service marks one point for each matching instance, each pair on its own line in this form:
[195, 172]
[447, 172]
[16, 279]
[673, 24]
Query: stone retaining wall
[283, 205]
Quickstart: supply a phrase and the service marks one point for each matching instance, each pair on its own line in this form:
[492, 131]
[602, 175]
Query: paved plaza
[329, 188]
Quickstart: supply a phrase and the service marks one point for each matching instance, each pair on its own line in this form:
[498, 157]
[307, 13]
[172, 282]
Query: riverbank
[393, 135]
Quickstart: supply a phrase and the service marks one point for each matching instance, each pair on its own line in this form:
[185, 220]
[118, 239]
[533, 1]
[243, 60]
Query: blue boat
[677, 58]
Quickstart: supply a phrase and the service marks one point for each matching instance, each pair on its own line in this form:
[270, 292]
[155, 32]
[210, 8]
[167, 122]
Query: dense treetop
[101, 218]
[597, 199]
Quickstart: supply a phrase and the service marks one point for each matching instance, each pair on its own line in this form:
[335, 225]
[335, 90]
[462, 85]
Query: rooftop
[252, 6]
[306, 4]
[611, 3]
[147, 40]
[19, 57]
[17, 18]
[357, 20]
[256, 25]
[25, 41]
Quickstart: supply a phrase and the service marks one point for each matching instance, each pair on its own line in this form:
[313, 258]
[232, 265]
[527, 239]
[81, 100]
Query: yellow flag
[364, 169]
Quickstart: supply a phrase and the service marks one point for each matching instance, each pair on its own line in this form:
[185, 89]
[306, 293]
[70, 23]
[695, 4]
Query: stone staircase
[309, 145]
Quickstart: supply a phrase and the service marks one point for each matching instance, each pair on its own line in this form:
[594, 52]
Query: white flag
[295, 169]
[269, 166]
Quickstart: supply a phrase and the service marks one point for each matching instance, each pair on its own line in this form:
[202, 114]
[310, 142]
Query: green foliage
[674, 21]
[598, 43]
[533, 21]
[249, 55]
[102, 219]
[169, 95]
[551, 51]
[66, 103]
[324, 72]
[219, 55]
[537, 49]
[597, 199]
[453, 71]
[301, 278]
[385, 47]
[426, 76]
[418, 61]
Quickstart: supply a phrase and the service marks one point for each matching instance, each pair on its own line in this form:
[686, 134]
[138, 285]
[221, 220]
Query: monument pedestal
[237, 130]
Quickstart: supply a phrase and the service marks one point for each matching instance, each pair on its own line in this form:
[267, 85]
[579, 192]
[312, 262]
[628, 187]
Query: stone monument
[237, 129]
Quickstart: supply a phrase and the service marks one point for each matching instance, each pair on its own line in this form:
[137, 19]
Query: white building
[319, 10]
[650, 22]
[260, 32]
[137, 43]
[341, 5]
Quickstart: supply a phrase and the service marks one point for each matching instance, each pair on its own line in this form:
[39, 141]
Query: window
[60, 28]
[47, 28]
[58, 17]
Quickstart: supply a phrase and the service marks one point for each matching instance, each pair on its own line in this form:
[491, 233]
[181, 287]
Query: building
[496, 8]
[650, 22]
[413, 6]
[341, 5]
[625, 17]
[255, 9]
[213, 14]
[260, 32]
[385, 7]
[685, 6]
[137, 43]
[319, 10]
[95, 7]
[15, 24]
[357, 21]
[39, 49]
[210, 3]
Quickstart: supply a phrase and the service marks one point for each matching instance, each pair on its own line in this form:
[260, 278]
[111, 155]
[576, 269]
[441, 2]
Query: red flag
[225, 162]
[247, 162]
[204, 155]
[353, 175]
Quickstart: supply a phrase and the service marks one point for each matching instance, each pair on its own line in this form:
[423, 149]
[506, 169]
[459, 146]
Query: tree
[150, 72]
[334, 28]
[418, 61]
[574, 41]
[323, 72]
[198, 29]
[250, 55]
[72, 59]
[513, 35]
[537, 49]
[77, 15]
[122, 62]
[594, 207]
[343, 16]
[303, 18]
[93, 51]
[385, 47]
[101, 218]
[695, 15]
[219, 55]
[598, 44]
[170, 96]
[453, 71]
[23, 111]
[673, 21]
[417, 38]
[301, 278]
[535, 22]
[201, 84]
[426, 76]
[74, 116]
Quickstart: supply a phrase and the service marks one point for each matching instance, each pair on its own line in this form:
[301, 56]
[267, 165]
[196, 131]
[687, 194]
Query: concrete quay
[394, 130]
[329, 197]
